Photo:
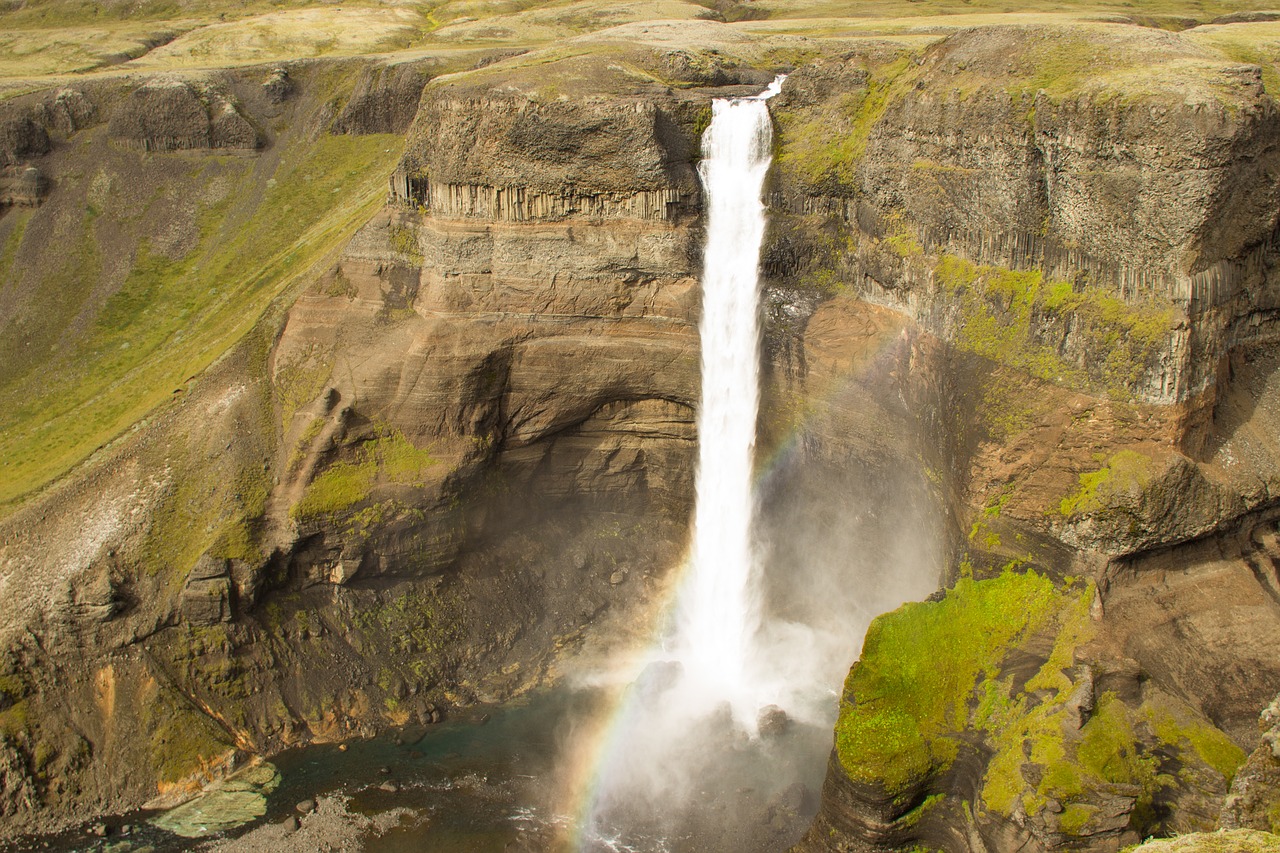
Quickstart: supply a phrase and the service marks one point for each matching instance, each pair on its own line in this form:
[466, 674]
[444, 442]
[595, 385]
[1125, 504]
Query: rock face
[1254, 801]
[465, 442]
[1106, 326]
[206, 596]
[1010, 167]
[169, 115]
[384, 100]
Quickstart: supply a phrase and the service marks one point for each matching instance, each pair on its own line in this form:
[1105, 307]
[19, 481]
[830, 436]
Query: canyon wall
[1093, 249]
[416, 419]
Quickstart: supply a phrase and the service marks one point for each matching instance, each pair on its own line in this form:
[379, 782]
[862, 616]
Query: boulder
[170, 115]
[206, 597]
[21, 138]
[1254, 800]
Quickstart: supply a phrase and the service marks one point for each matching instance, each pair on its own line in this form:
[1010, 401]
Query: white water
[682, 764]
[719, 610]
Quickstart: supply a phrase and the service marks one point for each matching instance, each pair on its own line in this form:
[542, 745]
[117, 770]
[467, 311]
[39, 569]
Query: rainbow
[590, 760]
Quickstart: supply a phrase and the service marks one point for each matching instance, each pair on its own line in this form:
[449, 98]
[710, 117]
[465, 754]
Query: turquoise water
[487, 780]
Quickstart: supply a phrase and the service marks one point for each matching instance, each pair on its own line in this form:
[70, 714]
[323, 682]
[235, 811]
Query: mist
[720, 731]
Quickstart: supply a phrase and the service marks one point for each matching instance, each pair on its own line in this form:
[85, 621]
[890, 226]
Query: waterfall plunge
[719, 609]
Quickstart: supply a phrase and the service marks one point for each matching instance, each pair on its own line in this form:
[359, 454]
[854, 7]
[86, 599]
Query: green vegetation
[388, 458]
[909, 693]
[418, 626]
[1003, 314]
[172, 317]
[1213, 746]
[1222, 841]
[182, 739]
[1075, 817]
[17, 225]
[1127, 472]
[824, 146]
[1023, 727]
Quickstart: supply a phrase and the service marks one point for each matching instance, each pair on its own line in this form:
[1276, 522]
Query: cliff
[1093, 244]
[368, 391]
[384, 501]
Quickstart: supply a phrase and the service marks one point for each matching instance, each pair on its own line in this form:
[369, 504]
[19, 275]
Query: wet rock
[233, 802]
[773, 721]
[99, 829]
[617, 578]
[657, 678]
[389, 787]
[306, 806]
[290, 824]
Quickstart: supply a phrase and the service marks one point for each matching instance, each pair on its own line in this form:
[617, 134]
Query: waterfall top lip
[772, 89]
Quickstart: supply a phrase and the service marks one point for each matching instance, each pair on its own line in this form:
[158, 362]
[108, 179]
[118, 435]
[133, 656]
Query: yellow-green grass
[908, 695]
[1157, 11]
[172, 318]
[998, 306]
[330, 31]
[1222, 841]
[40, 52]
[1256, 44]
[1126, 472]
[554, 21]
[389, 458]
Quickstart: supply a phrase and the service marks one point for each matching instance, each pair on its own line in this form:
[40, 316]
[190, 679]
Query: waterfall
[670, 740]
[719, 610]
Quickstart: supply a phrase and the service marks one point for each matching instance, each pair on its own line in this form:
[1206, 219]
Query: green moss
[1109, 749]
[417, 628]
[1016, 319]
[1212, 746]
[914, 816]
[1028, 726]
[16, 719]
[907, 696]
[182, 739]
[825, 146]
[388, 458]
[1126, 472]
[1075, 817]
[404, 241]
[340, 486]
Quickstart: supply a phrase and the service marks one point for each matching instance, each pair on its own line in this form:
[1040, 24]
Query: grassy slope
[114, 360]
